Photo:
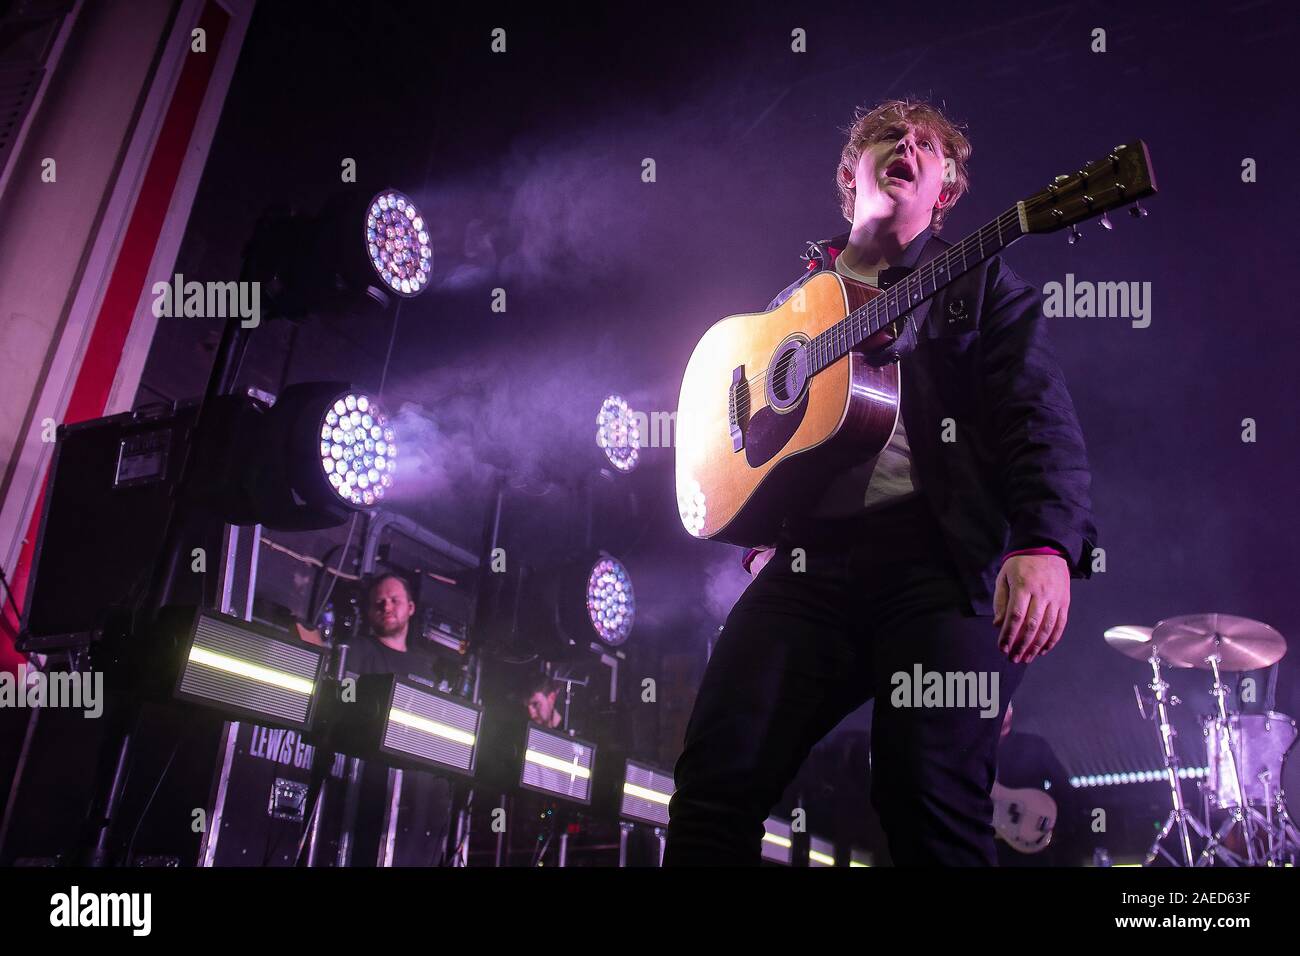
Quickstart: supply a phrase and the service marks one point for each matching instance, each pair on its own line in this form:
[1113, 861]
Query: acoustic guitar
[778, 402]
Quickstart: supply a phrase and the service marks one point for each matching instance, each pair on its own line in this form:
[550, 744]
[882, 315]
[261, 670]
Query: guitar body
[1023, 818]
[744, 462]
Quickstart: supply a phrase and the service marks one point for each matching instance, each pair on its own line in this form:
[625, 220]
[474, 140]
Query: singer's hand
[1031, 603]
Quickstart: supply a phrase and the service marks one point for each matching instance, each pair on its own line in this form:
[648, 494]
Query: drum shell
[1262, 743]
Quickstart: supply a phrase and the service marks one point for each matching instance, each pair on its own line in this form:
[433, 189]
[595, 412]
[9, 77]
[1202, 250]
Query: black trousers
[802, 649]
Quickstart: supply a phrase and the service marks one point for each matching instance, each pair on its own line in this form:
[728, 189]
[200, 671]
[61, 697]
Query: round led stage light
[358, 449]
[618, 433]
[611, 604]
[397, 242]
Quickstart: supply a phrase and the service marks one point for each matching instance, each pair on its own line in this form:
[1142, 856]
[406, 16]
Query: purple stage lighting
[618, 433]
[398, 243]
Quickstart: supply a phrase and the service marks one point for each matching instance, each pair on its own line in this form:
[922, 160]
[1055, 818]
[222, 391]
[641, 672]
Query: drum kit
[1245, 752]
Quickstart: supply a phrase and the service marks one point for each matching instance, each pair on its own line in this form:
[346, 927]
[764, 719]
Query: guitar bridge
[738, 407]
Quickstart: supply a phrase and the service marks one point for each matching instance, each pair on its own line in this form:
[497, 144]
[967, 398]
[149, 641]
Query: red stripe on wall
[130, 272]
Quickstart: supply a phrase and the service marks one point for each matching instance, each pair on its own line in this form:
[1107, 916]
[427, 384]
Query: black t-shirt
[366, 655]
[424, 813]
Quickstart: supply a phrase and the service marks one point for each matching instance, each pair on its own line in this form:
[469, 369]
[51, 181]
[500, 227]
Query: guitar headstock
[1122, 177]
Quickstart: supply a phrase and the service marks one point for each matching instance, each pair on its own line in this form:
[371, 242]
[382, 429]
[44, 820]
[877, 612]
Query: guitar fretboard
[899, 299]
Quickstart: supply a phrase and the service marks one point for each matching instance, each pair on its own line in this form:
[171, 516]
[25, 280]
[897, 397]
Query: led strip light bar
[249, 670]
[777, 844]
[820, 852]
[646, 792]
[432, 729]
[558, 765]
[1136, 776]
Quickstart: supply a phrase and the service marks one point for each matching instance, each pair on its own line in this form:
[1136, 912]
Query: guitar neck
[899, 299]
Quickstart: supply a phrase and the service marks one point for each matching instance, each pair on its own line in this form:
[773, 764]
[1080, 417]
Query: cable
[392, 337]
[130, 846]
[468, 809]
[318, 580]
[325, 598]
[308, 560]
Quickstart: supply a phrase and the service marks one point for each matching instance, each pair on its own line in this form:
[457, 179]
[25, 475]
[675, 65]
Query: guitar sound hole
[787, 375]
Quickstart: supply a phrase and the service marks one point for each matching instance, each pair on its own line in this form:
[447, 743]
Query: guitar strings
[826, 337]
[866, 309]
[927, 270]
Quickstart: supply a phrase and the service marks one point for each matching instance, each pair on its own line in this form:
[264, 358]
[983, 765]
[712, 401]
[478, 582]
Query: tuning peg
[1106, 223]
[1137, 212]
[1075, 235]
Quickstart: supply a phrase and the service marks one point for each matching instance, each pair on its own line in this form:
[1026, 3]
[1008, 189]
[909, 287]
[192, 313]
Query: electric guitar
[1023, 818]
[773, 404]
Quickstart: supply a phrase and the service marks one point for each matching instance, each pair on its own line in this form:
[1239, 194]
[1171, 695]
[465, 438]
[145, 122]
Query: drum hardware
[1131, 641]
[1236, 643]
[1245, 752]
[1180, 817]
[1135, 642]
[1261, 743]
[1226, 641]
[1231, 749]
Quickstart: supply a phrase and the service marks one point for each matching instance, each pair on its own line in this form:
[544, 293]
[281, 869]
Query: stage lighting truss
[358, 449]
[397, 241]
[611, 604]
[618, 433]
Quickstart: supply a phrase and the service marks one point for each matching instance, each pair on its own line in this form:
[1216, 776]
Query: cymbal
[1240, 643]
[1130, 640]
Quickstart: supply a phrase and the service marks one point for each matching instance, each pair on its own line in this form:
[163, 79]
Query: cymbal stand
[1231, 748]
[1179, 817]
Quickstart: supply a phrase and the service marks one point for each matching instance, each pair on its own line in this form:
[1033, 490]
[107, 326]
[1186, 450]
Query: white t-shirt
[882, 480]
